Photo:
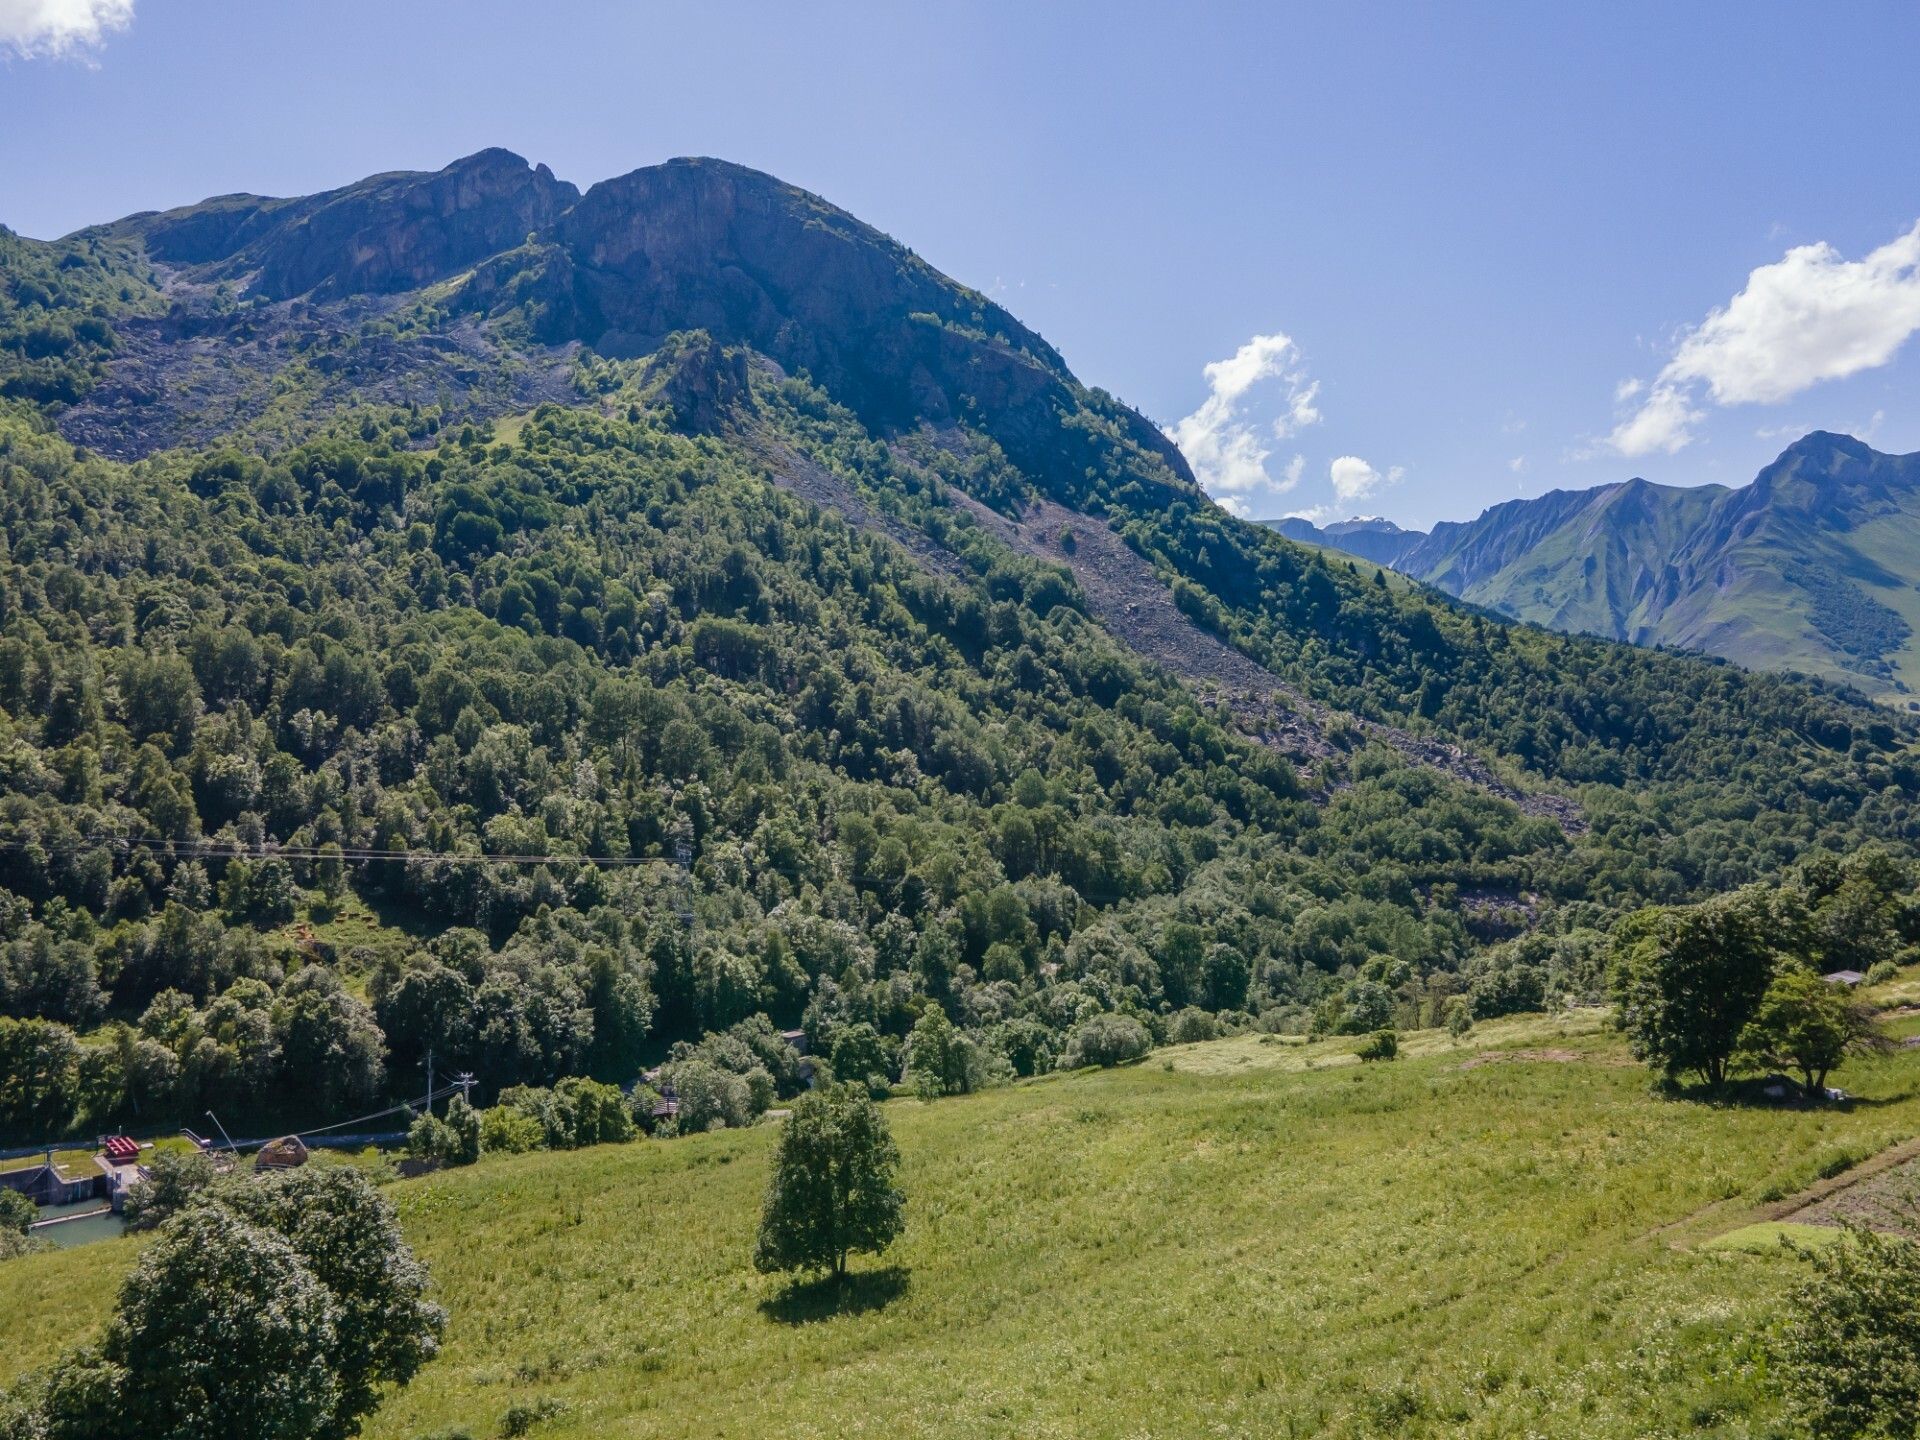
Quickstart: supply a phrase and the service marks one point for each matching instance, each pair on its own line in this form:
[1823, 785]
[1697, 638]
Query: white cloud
[1227, 449]
[1664, 423]
[54, 29]
[1354, 479]
[1517, 464]
[1810, 316]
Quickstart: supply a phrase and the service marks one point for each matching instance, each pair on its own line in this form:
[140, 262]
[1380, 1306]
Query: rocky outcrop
[688, 245]
[699, 382]
[385, 234]
[702, 244]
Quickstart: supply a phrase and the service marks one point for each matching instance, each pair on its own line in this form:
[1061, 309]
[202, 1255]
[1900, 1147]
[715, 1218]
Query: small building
[1844, 977]
[286, 1153]
[120, 1149]
[667, 1107]
[796, 1038]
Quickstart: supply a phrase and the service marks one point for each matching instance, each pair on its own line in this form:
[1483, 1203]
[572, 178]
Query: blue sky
[1428, 252]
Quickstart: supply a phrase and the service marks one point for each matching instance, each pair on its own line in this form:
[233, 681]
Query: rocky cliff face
[384, 234]
[688, 245]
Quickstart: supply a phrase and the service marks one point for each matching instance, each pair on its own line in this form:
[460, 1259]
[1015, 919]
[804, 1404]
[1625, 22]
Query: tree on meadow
[832, 1193]
[1808, 1025]
[1687, 980]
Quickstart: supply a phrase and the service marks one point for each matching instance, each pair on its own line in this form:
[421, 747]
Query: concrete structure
[46, 1183]
[117, 1169]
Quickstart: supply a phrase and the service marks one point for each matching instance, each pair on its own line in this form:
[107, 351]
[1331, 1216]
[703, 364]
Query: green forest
[563, 743]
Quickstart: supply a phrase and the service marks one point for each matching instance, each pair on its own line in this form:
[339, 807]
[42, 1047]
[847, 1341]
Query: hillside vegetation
[1471, 1241]
[329, 659]
[1811, 568]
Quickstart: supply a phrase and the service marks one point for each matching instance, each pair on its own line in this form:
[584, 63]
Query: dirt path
[1819, 1203]
[1852, 1194]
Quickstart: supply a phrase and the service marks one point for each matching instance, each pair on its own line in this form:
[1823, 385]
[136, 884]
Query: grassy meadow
[1227, 1239]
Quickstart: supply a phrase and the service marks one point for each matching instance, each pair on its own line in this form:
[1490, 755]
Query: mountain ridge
[743, 254]
[1805, 568]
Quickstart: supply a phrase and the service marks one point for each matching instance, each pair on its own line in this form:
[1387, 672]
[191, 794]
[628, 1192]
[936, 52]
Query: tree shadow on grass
[806, 1301]
[1750, 1093]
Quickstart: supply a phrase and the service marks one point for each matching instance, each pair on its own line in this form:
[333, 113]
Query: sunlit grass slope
[1422, 1248]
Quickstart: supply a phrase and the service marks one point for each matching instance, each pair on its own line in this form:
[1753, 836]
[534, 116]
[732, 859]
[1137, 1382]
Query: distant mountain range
[1814, 567]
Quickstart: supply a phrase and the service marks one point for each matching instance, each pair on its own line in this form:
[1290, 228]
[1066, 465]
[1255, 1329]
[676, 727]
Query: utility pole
[465, 1081]
[429, 1080]
[223, 1132]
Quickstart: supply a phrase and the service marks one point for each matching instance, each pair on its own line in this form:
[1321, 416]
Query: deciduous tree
[1808, 1025]
[1687, 980]
[832, 1193]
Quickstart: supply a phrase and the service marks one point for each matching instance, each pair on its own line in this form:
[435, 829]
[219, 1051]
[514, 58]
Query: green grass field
[1196, 1246]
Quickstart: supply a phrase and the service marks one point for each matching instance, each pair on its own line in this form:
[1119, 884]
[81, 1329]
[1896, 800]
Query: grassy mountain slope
[1812, 568]
[1424, 1248]
[913, 671]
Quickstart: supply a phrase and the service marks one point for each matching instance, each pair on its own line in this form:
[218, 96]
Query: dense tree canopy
[366, 659]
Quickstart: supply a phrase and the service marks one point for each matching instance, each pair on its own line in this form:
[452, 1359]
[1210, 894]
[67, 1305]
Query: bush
[430, 1138]
[1381, 1045]
[1191, 1026]
[1882, 971]
[710, 1098]
[1848, 1352]
[522, 1416]
[17, 1212]
[463, 1124]
[507, 1131]
[14, 1243]
[1106, 1040]
[174, 1177]
[599, 1111]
